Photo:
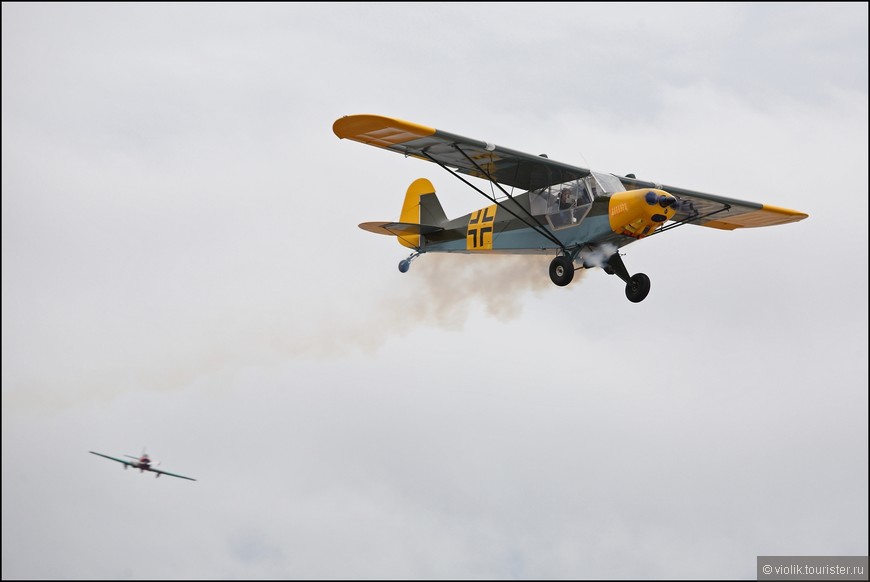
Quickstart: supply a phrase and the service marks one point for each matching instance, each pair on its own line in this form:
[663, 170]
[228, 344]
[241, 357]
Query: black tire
[404, 265]
[637, 288]
[561, 270]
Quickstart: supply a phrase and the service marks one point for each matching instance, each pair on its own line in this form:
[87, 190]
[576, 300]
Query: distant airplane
[143, 463]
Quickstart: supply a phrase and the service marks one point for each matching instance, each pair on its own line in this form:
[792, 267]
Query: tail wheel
[561, 270]
[637, 288]
[404, 265]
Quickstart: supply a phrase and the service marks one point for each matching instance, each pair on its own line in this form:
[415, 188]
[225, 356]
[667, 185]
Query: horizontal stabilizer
[399, 228]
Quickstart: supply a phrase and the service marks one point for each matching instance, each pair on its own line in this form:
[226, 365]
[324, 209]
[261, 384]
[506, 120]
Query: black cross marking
[479, 224]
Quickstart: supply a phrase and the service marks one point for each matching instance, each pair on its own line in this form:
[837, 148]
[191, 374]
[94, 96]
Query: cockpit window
[564, 205]
[603, 184]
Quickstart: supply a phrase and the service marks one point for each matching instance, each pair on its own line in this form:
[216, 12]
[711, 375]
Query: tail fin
[421, 207]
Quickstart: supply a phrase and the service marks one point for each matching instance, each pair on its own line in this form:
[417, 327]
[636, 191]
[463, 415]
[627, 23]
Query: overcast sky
[183, 272]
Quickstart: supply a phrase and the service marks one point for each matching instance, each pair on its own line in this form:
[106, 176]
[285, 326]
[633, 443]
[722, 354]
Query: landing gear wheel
[404, 265]
[637, 288]
[561, 270]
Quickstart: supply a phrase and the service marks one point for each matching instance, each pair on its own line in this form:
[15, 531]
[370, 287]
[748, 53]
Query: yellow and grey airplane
[581, 216]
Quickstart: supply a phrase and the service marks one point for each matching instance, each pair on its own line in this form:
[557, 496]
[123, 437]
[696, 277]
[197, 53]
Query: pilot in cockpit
[566, 207]
[566, 201]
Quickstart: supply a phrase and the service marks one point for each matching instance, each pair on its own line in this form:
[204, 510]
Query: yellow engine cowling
[637, 213]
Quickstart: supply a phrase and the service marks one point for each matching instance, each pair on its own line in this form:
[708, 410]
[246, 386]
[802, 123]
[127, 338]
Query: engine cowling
[637, 213]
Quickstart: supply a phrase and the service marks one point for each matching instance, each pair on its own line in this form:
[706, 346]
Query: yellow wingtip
[766, 216]
[378, 130]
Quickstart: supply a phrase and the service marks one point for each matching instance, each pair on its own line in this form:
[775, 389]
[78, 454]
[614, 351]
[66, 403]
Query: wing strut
[690, 219]
[537, 227]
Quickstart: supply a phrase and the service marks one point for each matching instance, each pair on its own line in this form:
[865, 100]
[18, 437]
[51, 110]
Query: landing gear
[405, 264]
[562, 270]
[636, 286]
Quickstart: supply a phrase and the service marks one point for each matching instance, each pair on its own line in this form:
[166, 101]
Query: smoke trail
[440, 291]
[450, 286]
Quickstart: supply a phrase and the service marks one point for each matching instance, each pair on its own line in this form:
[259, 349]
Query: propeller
[664, 201]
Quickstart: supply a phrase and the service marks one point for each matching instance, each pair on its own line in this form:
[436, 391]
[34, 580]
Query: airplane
[143, 463]
[581, 216]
